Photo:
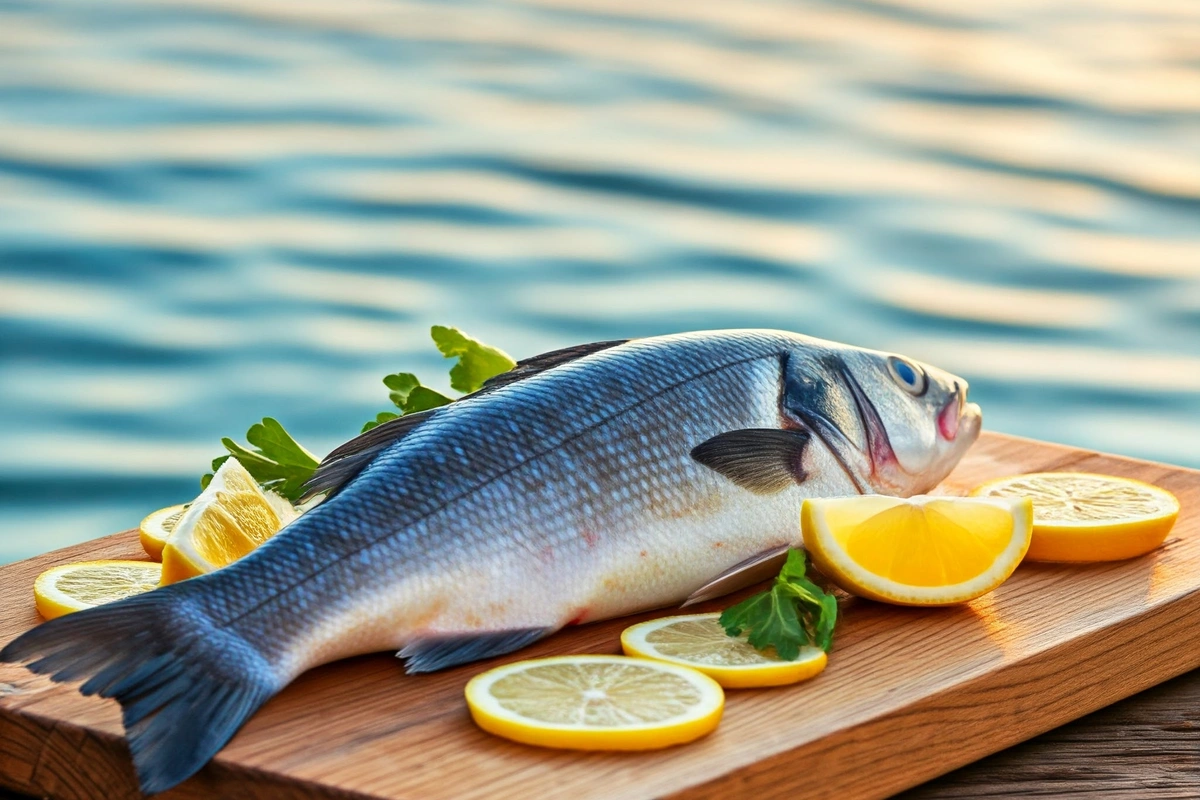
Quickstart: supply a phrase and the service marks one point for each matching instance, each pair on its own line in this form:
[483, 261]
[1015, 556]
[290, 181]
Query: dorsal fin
[351, 458]
[540, 363]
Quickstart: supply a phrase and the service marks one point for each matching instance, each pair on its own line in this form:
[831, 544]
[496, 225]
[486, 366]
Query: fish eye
[910, 376]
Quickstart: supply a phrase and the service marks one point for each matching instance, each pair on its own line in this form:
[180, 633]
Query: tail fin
[185, 686]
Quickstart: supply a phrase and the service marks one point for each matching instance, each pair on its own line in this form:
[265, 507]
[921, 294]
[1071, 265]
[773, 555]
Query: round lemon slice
[157, 527]
[595, 703]
[74, 587]
[920, 551]
[698, 641]
[229, 519]
[1078, 516]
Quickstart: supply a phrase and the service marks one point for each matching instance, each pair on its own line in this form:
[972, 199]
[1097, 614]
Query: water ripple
[214, 210]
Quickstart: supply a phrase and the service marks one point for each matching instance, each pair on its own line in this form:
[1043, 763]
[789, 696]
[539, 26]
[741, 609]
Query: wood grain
[909, 694]
[1144, 748]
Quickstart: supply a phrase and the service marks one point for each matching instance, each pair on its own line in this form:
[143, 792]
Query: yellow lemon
[1078, 516]
[920, 551]
[595, 703]
[698, 641]
[74, 587]
[157, 527]
[228, 520]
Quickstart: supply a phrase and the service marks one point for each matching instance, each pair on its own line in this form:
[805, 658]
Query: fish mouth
[951, 414]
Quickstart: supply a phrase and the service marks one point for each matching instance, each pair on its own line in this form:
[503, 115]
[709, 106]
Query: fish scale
[588, 483]
[510, 510]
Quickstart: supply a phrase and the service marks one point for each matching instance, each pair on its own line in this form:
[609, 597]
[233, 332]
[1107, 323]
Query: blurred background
[215, 211]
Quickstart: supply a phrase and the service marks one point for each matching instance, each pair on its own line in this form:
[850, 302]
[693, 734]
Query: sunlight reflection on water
[212, 211]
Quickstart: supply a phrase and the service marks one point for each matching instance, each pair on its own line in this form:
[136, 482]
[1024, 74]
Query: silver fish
[586, 483]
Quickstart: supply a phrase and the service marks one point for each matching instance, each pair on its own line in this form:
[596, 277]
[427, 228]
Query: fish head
[896, 425]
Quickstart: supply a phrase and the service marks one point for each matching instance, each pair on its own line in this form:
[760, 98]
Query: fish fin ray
[763, 460]
[755, 569]
[432, 653]
[184, 686]
[535, 365]
[346, 461]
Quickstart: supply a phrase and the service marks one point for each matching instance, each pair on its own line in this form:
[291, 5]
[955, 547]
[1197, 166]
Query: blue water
[214, 211]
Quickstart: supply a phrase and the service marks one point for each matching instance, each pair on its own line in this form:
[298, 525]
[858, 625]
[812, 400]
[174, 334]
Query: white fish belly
[591, 575]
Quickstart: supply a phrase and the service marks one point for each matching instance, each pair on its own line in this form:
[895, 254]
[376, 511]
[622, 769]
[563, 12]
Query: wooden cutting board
[909, 694]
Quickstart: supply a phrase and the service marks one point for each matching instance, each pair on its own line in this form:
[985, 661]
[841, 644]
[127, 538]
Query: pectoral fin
[746, 573]
[438, 652]
[763, 460]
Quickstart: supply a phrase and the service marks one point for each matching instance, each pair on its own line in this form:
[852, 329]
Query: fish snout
[951, 415]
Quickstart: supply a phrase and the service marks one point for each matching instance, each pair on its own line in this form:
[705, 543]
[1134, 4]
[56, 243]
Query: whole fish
[586, 483]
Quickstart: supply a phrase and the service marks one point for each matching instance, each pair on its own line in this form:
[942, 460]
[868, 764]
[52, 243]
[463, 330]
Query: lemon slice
[228, 520]
[595, 703]
[1078, 516]
[157, 527]
[921, 551]
[74, 587]
[698, 641]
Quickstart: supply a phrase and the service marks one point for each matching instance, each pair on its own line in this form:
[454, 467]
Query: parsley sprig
[793, 613]
[278, 462]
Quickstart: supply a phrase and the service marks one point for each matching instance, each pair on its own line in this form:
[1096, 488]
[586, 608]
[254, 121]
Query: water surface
[213, 211]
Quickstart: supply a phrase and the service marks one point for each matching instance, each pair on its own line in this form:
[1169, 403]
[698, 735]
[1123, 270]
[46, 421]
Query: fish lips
[951, 415]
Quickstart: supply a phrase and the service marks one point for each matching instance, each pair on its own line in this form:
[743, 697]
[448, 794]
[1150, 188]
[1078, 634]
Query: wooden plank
[1143, 748]
[910, 693]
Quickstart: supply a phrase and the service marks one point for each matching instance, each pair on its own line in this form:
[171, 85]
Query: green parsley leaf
[793, 613]
[423, 398]
[769, 620]
[794, 567]
[278, 462]
[380, 418]
[401, 384]
[476, 361]
[826, 620]
[409, 396]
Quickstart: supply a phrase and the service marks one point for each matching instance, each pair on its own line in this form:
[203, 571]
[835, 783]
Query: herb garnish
[793, 613]
[280, 463]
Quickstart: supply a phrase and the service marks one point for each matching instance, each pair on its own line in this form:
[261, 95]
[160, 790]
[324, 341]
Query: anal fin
[432, 653]
[753, 570]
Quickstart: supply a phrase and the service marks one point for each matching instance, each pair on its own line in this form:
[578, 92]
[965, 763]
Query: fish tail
[185, 685]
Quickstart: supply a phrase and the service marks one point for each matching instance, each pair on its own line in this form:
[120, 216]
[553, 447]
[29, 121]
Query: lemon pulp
[920, 550]
[156, 528]
[74, 587]
[228, 520]
[699, 641]
[595, 703]
[1080, 516]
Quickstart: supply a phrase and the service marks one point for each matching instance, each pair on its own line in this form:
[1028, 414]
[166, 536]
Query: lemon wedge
[698, 641]
[228, 520]
[1078, 516]
[74, 587]
[921, 551]
[595, 703]
[157, 527]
